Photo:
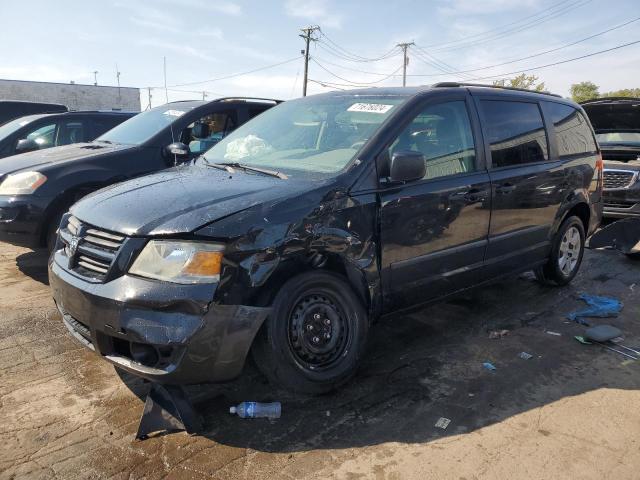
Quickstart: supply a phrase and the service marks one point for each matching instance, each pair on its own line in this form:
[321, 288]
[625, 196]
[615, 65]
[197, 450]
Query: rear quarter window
[515, 131]
[573, 133]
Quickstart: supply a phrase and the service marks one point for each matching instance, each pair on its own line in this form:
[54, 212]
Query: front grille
[95, 249]
[617, 179]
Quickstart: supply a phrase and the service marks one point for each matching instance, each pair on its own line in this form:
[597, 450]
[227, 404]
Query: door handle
[505, 189]
[471, 196]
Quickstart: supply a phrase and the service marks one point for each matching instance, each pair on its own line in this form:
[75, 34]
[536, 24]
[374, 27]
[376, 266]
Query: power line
[355, 57]
[545, 52]
[226, 77]
[506, 33]
[481, 34]
[393, 74]
[539, 67]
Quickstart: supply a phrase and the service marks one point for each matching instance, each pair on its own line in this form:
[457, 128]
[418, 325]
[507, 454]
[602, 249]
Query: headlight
[22, 183]
[179, 261]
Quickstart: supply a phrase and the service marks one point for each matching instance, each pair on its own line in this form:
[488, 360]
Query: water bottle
[257, 410]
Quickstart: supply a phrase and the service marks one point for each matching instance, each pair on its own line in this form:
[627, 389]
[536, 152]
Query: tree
[583, 91]
[521, 81]
[625, 92]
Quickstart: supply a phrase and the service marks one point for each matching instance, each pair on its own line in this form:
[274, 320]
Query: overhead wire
[535, 55]
[534, 23]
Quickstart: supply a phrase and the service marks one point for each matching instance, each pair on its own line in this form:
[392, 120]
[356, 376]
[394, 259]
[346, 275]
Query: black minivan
[295, 232]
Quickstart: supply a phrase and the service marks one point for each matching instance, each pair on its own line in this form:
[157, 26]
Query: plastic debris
[443, 423]
[600, 307]
[553, 333]
[525, 355]
[257, 410]
[582, 340]
[489, 366]
[493, 334]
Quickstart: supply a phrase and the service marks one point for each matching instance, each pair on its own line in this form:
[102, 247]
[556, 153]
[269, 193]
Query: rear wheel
[566, 255]
[315, 335]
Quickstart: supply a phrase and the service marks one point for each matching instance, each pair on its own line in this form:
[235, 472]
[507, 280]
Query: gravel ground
[569, 412]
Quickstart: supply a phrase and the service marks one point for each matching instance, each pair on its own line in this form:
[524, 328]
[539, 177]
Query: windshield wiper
[104, 141]
[229, 166]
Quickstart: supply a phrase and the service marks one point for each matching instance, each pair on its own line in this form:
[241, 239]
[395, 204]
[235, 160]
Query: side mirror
[178, 149]
[27, 145]
[407, 166]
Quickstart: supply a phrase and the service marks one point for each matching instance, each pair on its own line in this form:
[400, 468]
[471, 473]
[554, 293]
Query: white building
[75, 96]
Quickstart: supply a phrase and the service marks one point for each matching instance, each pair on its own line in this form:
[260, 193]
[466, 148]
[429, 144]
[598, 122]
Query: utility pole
[95, 77]
[204, 95]
[149, 106]
[405, 62]
[118, 81]
[308, 32]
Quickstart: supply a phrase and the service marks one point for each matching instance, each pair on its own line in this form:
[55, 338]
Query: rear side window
[71, 131]
[515, 131]
[104, 124]
[573, 134]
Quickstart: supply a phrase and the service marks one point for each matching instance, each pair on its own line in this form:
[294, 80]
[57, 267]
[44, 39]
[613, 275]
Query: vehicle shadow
[34, 265]
[428, 364]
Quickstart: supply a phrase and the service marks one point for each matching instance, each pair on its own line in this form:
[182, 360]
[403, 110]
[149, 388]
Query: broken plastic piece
[525, 355]
[443, 423]
[623, 235]
[601, 307]
[553, 333]
[498, 333]
[167, 408]
[489, 366]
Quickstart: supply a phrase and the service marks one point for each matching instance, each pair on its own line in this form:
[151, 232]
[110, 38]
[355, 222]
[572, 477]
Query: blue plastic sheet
[600, 307]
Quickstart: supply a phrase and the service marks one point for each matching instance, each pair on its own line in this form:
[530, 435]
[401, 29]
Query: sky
[203, 40]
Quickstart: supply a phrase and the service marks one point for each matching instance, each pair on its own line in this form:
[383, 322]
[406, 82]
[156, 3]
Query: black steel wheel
[315, 335]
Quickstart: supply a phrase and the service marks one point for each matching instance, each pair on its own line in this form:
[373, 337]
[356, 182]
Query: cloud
[222, 6]
[316, 11]
[477, 7]
[46, 73]
[179, 48]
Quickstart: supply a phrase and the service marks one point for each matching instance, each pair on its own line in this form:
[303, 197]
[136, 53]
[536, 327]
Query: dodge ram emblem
[73, 246]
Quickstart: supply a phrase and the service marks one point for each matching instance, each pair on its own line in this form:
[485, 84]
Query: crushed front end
[165, 332]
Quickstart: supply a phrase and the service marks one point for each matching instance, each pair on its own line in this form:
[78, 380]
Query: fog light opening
[144, 354]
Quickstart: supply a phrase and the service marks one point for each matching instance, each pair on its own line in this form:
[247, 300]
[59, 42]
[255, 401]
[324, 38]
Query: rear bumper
[21, 220]
[166, 333]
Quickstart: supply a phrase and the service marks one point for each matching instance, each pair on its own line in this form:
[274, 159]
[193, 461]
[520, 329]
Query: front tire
[315, 336]
[566, 255]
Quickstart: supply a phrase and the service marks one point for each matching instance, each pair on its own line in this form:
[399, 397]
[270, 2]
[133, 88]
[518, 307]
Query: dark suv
[37, 132]
[617, 125]
[291, 235]
[37, 188]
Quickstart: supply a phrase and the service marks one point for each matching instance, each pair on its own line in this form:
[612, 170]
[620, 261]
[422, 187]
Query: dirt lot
[569, 412]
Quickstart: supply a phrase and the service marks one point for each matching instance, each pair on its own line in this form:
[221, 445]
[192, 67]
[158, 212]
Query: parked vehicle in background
[296, 231]
[37, 188]
[37, 132]
[617, 125]
[10, 109]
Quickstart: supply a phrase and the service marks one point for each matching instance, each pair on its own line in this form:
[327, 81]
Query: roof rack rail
[465, 84]
[228, 99]
[611, 99]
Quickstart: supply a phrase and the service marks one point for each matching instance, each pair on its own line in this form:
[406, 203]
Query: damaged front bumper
[623, 235]
[166, 333]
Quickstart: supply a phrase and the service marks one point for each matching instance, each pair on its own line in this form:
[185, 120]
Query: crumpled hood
[180, 200]
[31, 160]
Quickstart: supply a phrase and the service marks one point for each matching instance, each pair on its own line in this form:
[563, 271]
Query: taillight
[600, 170]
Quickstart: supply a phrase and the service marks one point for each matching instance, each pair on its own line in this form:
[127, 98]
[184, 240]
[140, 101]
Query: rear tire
[566, 255]
[315, 336]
